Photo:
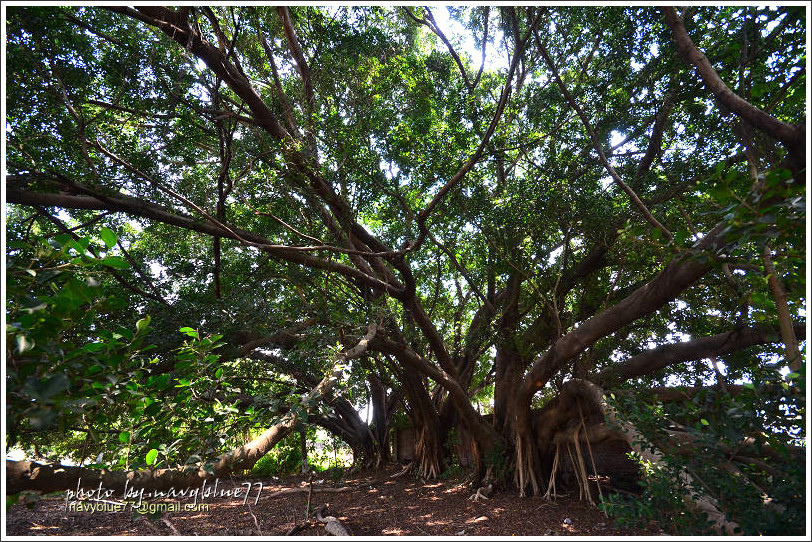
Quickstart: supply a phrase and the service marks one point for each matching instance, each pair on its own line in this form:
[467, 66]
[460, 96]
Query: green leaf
[116, 262]
[108, 237]
[152, 455]
[93, 347]
[190, 332]
[143, 324]
[124, 437]
[703, 421]
[162, 382]
[153, 409]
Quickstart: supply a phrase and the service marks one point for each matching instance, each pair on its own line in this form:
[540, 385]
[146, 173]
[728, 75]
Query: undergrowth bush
[765, 496]
[662, 501]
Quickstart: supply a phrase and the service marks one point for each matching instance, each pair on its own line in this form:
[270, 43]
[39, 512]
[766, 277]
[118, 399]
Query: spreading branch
[146, 209]
[793, 137]
[701, 348]
[599, 148]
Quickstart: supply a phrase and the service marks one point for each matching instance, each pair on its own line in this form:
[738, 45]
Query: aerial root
[551, 492]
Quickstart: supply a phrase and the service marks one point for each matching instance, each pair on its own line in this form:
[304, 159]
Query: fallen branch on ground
[169, 524]
[299, 527]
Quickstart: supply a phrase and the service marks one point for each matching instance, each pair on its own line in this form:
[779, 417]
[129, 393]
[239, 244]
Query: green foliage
[64, 362]
[721, 427]
[286, 457]
[281, 460]
[74, 379]
[102, 105]
[497, 460]
[663, 501]
[453, 471]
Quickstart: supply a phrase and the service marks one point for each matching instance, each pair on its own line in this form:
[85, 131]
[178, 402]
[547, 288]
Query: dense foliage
[208, 207]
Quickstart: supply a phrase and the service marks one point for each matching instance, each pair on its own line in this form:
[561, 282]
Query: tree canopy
[222, 222]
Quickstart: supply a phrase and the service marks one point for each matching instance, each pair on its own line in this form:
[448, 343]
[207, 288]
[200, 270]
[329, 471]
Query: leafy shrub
[663, 501]
[452, 472]
[765, 496]
[285, 458]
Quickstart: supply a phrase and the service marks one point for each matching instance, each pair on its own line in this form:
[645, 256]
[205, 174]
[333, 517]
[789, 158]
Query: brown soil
[374, 505]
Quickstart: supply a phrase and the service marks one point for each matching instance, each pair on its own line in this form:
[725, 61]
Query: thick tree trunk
[483, 434]
[381, 414]
[670, 282]
[508, 377]
[426, 421]
[508, 363]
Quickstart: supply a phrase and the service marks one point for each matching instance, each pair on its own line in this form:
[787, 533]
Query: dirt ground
[374, 505]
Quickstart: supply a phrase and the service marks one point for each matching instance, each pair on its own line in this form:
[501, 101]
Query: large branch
[794, 137]
[176, 26]
[304, 72]
[667, 285]
[50, 477]
[482, 432]
[703, 347]
[280, 338]
[145, 209]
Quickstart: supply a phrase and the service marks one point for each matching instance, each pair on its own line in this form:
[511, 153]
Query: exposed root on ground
[486, 488]
[482, 493]
[331, 523]
[403, 471]
[169, 524]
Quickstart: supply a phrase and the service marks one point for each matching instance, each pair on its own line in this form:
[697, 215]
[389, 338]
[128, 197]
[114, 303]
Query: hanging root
[591, 457]
[551, 485]
[525, 471]
[427, 457]
[580, 468]
[573, 440]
